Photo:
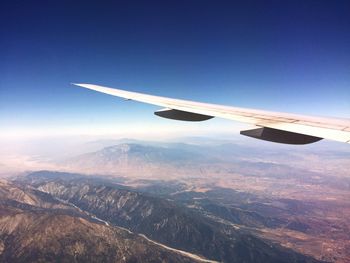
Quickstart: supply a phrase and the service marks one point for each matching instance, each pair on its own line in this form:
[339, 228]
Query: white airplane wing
[271, 126]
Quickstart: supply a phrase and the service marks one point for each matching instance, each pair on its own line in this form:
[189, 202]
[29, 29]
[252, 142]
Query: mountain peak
[124, 148]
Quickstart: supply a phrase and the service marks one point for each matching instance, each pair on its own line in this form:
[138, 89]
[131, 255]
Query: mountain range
[36, 227]
[164, 221]
[177, 202]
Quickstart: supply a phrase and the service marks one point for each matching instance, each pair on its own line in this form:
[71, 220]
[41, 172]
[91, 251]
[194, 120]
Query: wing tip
[83, 85]
[77, 84]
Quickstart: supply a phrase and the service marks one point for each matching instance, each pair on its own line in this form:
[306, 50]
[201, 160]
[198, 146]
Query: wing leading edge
[273, 126]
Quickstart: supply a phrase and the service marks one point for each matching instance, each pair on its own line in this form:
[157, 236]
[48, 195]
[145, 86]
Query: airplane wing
[271, 126]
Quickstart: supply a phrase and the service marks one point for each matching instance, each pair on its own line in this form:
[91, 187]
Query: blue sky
[291, 56]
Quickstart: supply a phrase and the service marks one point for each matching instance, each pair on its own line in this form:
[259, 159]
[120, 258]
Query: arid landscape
[205, 199]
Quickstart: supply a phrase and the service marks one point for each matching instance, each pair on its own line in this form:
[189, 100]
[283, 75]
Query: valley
[169, 221]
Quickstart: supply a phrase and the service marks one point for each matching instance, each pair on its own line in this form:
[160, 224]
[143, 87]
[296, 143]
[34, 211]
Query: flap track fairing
[182, 115]
[274, 135]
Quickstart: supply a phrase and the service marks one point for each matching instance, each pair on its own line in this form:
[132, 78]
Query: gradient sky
[291, 56]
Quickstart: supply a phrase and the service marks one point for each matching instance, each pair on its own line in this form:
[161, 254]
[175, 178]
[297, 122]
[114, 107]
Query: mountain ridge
[166, 222]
